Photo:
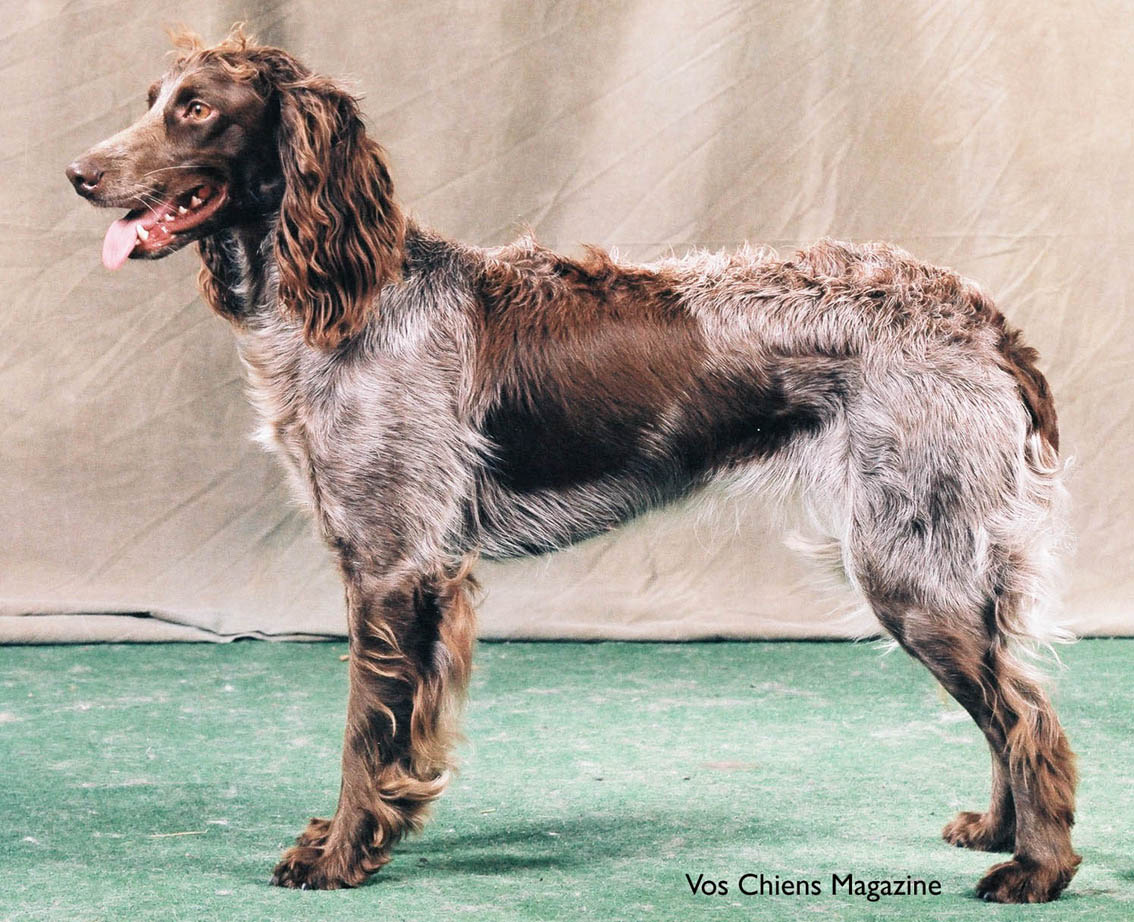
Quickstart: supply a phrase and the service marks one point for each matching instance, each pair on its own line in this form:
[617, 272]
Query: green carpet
[161, 782]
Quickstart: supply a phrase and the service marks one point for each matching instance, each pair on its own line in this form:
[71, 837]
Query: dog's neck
[238, 276]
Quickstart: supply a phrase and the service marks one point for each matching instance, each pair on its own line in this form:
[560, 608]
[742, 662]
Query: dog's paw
[1024, 881]
[308, 867]
[973, 830]
[315, 833]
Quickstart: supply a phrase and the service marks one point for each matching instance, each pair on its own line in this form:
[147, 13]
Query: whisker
[166, 169]
[153, 201]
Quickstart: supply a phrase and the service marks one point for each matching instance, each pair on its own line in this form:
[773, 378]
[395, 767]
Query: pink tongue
[119, 242]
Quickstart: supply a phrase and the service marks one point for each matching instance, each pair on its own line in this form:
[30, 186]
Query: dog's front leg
[411, 638]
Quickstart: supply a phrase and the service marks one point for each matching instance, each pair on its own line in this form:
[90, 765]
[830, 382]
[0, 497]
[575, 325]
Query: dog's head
[242, 134]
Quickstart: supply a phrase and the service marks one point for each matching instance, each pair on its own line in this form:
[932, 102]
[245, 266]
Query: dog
[436, 401]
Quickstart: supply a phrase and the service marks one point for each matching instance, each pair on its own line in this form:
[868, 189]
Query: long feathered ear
[340, 235]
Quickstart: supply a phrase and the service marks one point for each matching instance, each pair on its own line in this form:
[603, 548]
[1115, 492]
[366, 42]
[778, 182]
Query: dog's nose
[84, 176]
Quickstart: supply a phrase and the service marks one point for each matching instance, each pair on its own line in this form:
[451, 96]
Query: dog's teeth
[168, 218]
[143, 234]
[194, 201]
[181, 209]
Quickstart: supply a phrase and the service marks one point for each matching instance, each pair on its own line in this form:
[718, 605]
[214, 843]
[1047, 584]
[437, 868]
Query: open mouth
[149, 231]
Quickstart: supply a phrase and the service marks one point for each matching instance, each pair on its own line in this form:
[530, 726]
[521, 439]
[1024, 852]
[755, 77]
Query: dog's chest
[274, 395]
[349, 427]
[297, 405]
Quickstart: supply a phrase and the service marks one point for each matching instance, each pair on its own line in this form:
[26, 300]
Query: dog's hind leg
[952, 517]
[1029, 749]
[411, 639]
[926, 585]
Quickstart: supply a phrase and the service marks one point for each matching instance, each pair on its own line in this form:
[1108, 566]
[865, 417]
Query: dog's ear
[340, 234]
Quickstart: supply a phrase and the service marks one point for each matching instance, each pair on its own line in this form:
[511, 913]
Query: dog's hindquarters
[952, 518]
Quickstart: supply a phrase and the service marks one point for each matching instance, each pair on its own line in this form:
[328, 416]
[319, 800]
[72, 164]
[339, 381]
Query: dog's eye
[198, 110]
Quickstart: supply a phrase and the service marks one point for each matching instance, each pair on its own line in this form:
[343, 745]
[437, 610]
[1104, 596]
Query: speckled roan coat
[437, 401]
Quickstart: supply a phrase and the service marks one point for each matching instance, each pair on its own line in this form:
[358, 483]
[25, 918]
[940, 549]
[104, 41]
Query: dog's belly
[564, 471]
[521, 524]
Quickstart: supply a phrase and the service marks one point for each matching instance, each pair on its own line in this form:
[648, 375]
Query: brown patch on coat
[587, 369]
[563, 343]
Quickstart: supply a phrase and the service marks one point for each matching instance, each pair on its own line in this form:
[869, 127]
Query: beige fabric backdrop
[993, 136]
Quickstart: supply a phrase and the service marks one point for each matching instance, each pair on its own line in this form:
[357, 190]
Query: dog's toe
[1023, 881]
[975, 830]
[312, 867]
[304, 867]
